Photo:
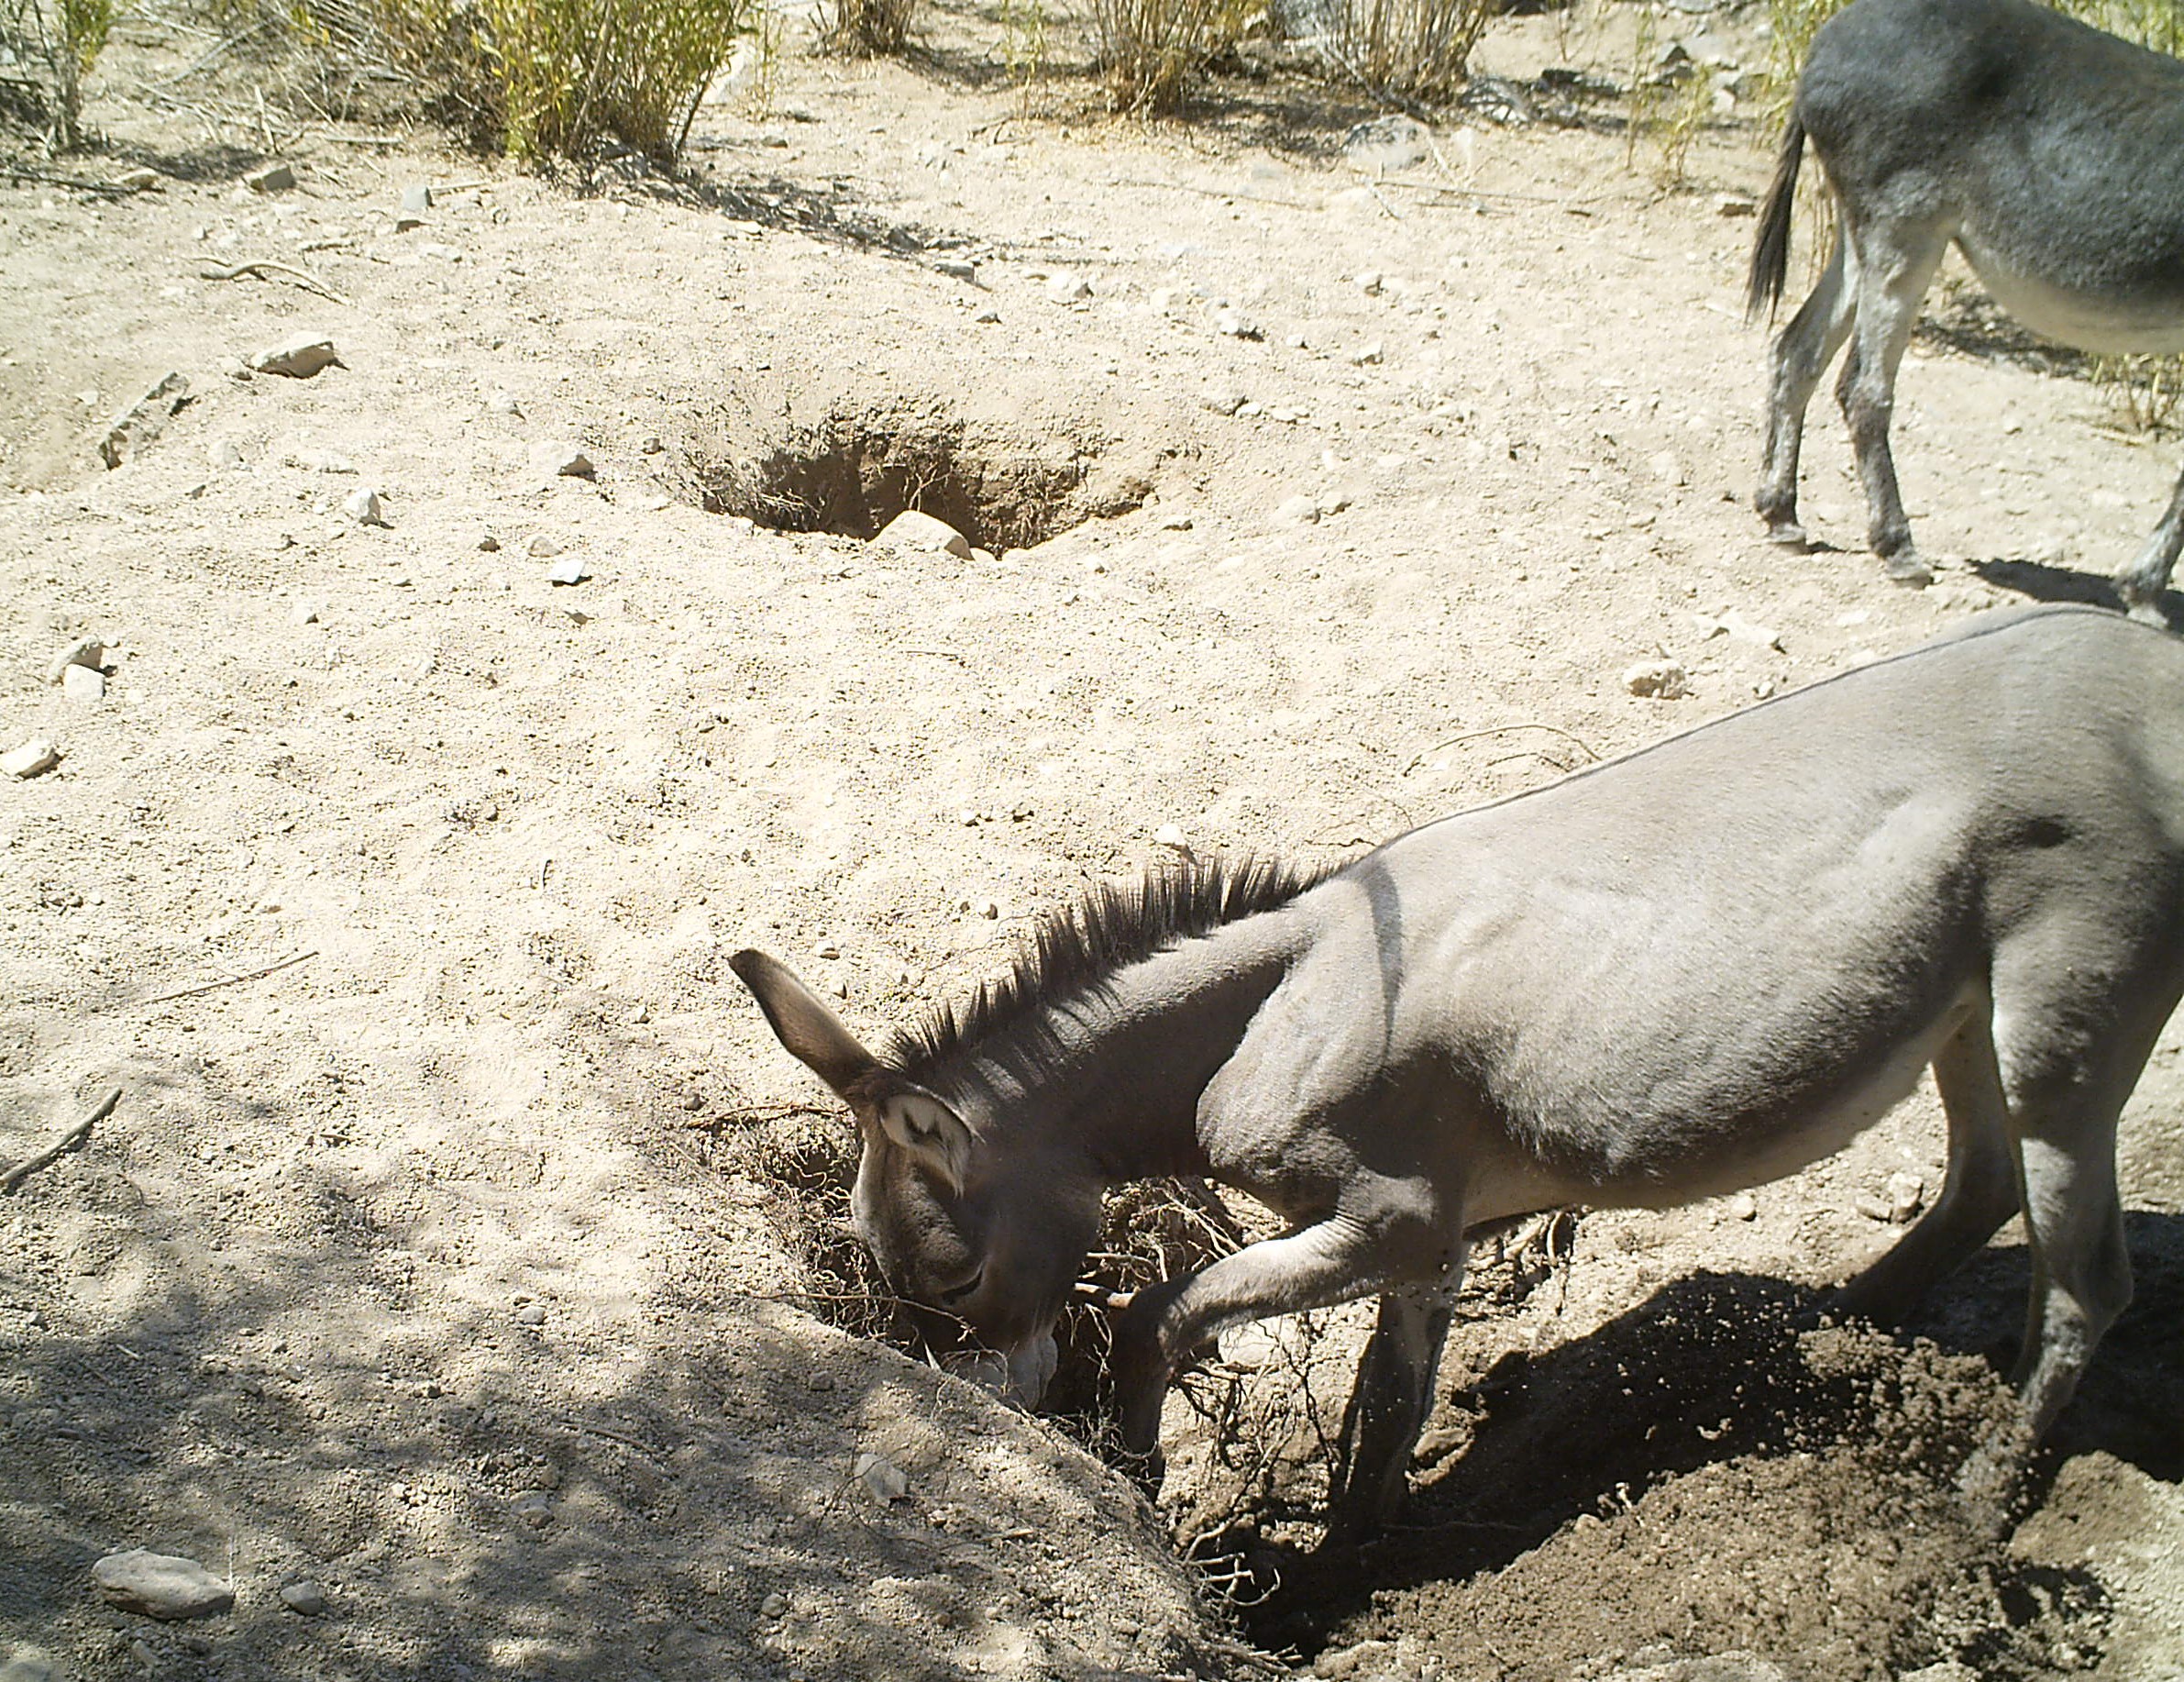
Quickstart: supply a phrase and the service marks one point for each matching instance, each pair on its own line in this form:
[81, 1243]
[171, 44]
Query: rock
[160, 1584]
[84, 683]
[1387, 143]
[1222, 403]
[1657, 681]
[1369, 356]
[416, 200]
[1234, 324]
[568, 570]
[303, 613]
[1068, 289]
[1371, 282]
[827, 948]
[534, 1507]
[85, 651]
[274, 178]
[956, 268]
[223, 455]
[1906, 1192]
[989, 317]
[501, 402]
[362, 506]
[321, 461]
[987, 909]
[1365, 1658]
[33, 759]
[1170, 836]
[1744, 1207]
[306, 1598]
[882, 1477]
[1735, 204]
[142, 421]
[1297, 511]
[561, 460]
[1720, 1667]
[915, 532]
[1737, 628]
[775, 1605]
[1873, 1208]
[531, 1314]
[299, 356]
[136, 180]
[542, 547]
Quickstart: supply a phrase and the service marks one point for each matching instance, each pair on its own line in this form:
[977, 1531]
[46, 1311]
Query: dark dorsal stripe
[1115, 925]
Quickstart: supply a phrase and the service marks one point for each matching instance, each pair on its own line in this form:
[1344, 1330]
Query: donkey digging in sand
[1699, 968]
[2051, 153]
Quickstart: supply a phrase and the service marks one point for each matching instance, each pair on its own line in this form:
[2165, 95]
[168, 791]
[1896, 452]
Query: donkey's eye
[963, 1292]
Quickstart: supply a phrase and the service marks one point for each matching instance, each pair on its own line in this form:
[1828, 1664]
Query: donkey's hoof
[1788, 535]
[2146, 610]
[1906, 569]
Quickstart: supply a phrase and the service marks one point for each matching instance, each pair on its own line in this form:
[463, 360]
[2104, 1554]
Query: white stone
[85, 651]
[299, 356]
[561, 460]
[33, 759]
[1370, 283]
[160, 1584]
[1234, 324]
[1068, 289]
[915, 532]
[1369, 356]
[362, 506]
[1744, 1207]
[882, 1477]
[1170, 836]
[1906, 1192]
[1657, 681]
[827, 948]
[542, 547]
[223, 455]
[84, 683]
[568, 570]
[142, 421]
[303, 613]
[1297, 511]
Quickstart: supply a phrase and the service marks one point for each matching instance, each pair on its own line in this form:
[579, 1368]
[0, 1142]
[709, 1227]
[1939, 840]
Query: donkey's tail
[1771, 245]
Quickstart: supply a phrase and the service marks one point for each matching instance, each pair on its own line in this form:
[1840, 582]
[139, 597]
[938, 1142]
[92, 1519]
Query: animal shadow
[2042, 582]
[1718, 1366]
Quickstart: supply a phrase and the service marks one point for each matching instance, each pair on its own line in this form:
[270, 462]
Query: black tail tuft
[1771, 245]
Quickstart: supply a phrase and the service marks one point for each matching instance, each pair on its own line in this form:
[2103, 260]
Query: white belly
[2085, 321]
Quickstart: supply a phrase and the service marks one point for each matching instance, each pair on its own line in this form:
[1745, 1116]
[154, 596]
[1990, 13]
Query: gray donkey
[1692, 970]
[2052, 154]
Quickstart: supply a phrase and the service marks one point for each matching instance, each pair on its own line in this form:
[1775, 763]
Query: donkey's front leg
[1339, 1259]
[1388, 1408]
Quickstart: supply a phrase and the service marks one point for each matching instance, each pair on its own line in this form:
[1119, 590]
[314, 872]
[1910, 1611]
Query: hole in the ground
[850, 473]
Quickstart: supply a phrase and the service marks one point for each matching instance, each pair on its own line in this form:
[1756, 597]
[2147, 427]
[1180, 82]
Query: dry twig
[206, 987]
[264, 269]
[68, 1142]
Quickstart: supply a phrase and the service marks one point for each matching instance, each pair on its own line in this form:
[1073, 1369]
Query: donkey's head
[980, 1222]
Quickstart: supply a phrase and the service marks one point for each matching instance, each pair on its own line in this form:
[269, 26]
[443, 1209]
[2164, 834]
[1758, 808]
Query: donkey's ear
[804, 1024]
[928, 1129]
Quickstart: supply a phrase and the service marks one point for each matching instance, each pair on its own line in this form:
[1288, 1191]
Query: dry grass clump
[1149, 49]
[1420, 48]
[869, 28]
[47, 48]
[542, 78]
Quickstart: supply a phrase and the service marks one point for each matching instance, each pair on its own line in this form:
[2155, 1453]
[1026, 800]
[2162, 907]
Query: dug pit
[850, 470]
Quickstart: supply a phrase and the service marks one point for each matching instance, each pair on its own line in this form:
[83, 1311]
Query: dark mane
[1115, 925]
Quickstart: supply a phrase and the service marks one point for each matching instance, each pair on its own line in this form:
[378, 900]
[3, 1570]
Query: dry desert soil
[462, 1262]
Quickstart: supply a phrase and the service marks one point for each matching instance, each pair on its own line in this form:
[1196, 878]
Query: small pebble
[913, 531]
[1368, 356]
[85, 651]
[1657, 681]
[308, 1599]
[531, 1314]
[542, 547]
[882, 1477]
[162, 1586]
[775, 1605]
[568, 570]
[274, 178]
[560, 461]
[826, 948]
[223, 455]
[1170, 836]
[1233, 324]
[1744, 1207]
[299, 356]
[989, 910]
[1297, 511]
[363, 506]
[84, 683]
[1068, 289]
[1873, 1208]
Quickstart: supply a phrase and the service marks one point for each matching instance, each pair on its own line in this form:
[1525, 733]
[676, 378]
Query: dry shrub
[869, 27]
[539, 78]
[1420, 48]
[1149, 49]
[47, 48]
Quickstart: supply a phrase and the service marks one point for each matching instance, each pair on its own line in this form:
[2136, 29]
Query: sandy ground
[433, 1268]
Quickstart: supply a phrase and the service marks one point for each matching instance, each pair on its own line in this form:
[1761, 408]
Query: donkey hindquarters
[2051, 153]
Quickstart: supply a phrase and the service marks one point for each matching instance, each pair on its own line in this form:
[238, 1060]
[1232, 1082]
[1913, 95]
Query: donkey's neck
[1113, 1072]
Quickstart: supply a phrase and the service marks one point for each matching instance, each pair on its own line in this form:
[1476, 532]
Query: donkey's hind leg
[1801, 353]
[1389, 1409]
[1892, 264]
[1979, 1194]
[2141, 581]
[2081, 1272]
